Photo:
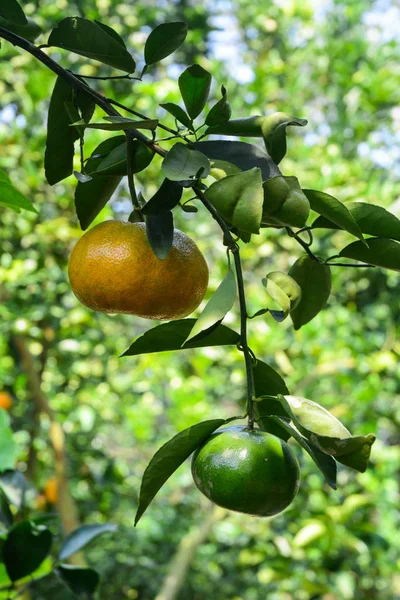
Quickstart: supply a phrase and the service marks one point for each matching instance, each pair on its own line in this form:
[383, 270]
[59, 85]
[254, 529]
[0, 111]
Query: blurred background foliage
[335, 63]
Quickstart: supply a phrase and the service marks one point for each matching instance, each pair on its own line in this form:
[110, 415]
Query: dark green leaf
[171, 336]
[169, 457]
[371, 219]
[194, 84]
[274, 133]
[8, 447]
[324, 462]
[25, 549]
[11, 11]
[243, 155]
[284, 290]
[12, 198]
[82, 582]
[79, 538]
[239, 199]
[110, 31]
[6, 517]
[14, 485]
[87, 38]
[164, 40]
[182, 163]
[177, 112]
[246, 127]
[58, 159]
[381, 253]
[103, 150]
[28, 30]
[314, 278]
[91, 198]
[119, 124]
[330, 208]
[165, 198]
[160, 233]
[216, 308]
[114, 161]
[220, 112]
[268, 382]
[284, 202]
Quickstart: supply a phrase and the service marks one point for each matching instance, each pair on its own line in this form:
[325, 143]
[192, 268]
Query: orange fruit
[5, 400]
[113, 269]
[51, 490]
[248, 471]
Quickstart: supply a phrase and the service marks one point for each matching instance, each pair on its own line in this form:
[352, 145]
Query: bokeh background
[335, 63]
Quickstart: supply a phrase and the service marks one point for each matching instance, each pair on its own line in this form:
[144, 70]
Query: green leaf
[169, 457]
[28, 30]
[160, 233]
[80, 537]
[58, 159]
[112, 157]
[12, 198]
[11, 11]
[182, 163]
[25, 549]
[220, 112]
[171, 336]
[314, 278]
[89, 39]
[324, 462]
[8, 447]
[381, 253]
[330, 208]
[6, 517]
[244, 156]
[110, 31]
[164, 40]
[239, 199]
[274, 133]
[284, 290]
[371, 219]
[222, 168]
[194, 84]
[82, 582]
[177, 112]
[216, 308]
[267, 382]
[102, 152]
[327, 433]
[284, 202]
[92, 196]
[119, 124]
[165, 198]
[246, 127]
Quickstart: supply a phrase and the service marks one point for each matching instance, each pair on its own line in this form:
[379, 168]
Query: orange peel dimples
[113, 269]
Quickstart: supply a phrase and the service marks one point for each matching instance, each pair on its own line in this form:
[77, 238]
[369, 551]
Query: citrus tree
[117, 268]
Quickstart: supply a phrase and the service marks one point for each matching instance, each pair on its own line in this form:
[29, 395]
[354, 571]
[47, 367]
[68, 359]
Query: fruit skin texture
[113, 269]
[248, 471]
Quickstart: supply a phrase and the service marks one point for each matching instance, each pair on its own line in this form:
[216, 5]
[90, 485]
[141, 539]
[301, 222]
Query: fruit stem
[243, 337]
[234, 249]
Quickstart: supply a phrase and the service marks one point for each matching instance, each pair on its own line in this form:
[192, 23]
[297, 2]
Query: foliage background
[336, 64]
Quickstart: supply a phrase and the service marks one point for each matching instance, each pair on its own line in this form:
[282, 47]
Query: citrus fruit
[113, 269]
[246, 470]
[51, 490]
[5, 400]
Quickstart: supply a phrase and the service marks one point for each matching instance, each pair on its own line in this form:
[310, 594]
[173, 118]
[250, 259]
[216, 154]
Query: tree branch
[67, 507]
